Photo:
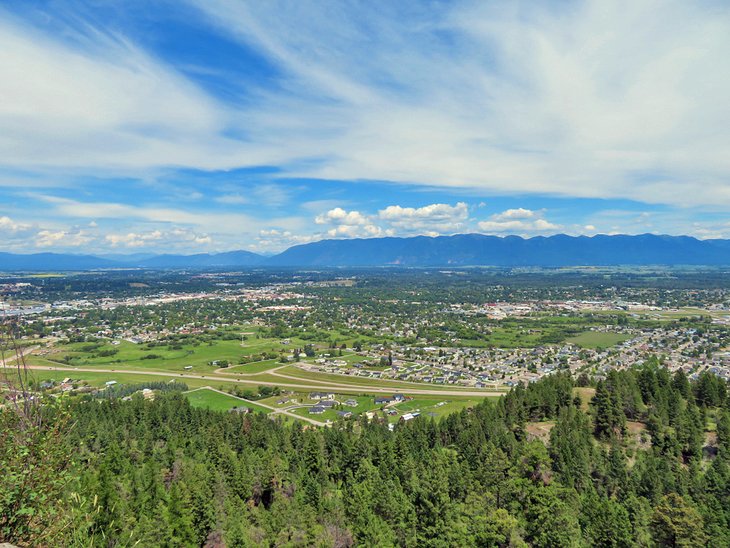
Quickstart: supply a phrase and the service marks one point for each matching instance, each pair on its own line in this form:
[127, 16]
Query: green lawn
[216, 401]
[440, 407]
[364, 403]
[595, 339]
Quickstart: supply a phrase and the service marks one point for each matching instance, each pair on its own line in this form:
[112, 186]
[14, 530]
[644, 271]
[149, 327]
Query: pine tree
[570, 448]
[609, 418]
[675, 523]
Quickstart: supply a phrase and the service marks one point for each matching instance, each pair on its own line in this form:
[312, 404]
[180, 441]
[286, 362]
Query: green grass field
[440, 407]
[216, 401]
[595, 339]
[140, 356]
[97, 379]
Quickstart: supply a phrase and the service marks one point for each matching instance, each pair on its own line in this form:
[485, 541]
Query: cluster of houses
[326, 401]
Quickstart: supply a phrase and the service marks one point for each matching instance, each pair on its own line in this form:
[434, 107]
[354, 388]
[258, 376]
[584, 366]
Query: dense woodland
[114, 473]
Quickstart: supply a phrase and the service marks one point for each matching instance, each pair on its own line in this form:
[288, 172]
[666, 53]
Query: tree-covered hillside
[647, 463]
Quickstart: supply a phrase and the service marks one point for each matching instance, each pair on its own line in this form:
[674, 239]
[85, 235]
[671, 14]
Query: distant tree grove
[642, 459]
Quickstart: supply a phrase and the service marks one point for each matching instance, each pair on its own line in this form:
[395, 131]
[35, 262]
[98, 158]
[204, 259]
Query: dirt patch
[586, 395]
[539, 431]
[637, 435]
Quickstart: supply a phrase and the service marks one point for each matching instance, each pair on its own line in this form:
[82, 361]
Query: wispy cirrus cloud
[579, 100]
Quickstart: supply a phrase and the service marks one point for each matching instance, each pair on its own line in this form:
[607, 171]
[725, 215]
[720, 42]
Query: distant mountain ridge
[457, 250]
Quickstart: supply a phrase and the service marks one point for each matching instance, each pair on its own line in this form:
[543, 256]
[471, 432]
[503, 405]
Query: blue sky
[211, 125]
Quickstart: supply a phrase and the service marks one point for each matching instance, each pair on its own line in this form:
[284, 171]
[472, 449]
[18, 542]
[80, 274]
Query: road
[11, 356]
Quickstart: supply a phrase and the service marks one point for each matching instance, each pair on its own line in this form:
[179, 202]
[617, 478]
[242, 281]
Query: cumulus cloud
[132, 239]
[430, 220]
[63, 238]
[177, 237]
[510, 214]
[339, 216]
[519, 221]
[11, 227]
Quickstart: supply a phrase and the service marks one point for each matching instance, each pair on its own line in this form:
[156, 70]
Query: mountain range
[457, 250]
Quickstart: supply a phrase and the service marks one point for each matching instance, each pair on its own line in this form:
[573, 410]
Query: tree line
[161, 473]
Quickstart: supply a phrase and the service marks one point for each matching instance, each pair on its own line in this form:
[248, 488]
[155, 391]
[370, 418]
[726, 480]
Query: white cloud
[348, 224]
[429, 220]
[519, 221]
[175, 238]
[63, 238]
[106, 105]
[433, 212]
[132, 239]
[10, 227]
[204, 220]
[519, 213]
[392, 220]
[339, 216]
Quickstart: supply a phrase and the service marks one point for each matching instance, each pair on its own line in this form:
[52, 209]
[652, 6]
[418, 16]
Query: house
[329, 404]
[240, 410]
[344, 414]
[351, 403]
[383, 400]
[110, 383]
[317, 410]
[409, 416]
[321, 396]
